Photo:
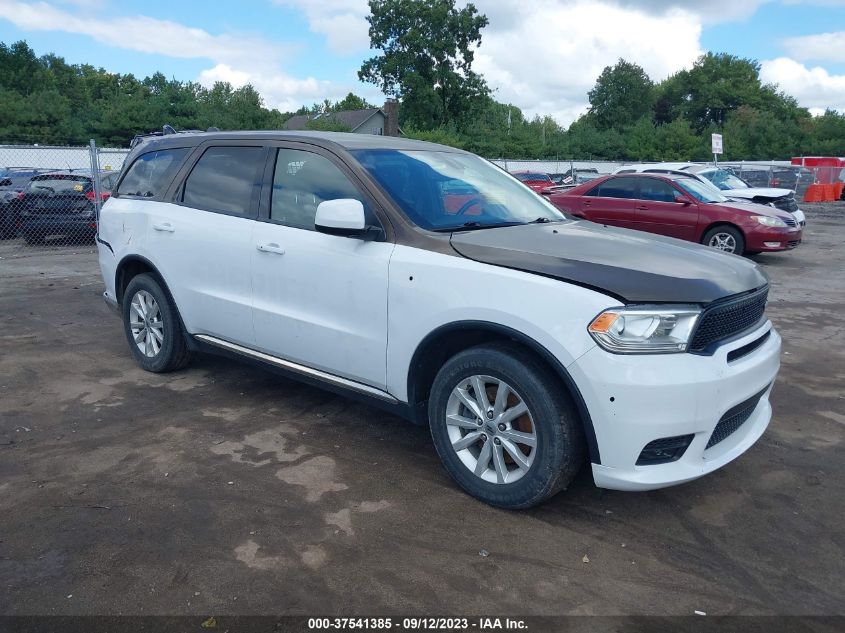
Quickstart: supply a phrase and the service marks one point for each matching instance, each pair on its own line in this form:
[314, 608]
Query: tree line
[425, 52]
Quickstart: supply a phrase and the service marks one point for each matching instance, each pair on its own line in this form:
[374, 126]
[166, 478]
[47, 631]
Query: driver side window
[301, 181]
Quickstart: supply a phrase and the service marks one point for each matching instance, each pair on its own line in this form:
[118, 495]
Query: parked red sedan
[681, 207]
[538, 181]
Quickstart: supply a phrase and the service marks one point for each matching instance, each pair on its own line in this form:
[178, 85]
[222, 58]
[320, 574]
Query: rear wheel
[503, 427]
[152, 326]
[725, 238]
[33, 238]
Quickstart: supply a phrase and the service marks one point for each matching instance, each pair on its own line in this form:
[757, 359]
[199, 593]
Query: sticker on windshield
[77, 187]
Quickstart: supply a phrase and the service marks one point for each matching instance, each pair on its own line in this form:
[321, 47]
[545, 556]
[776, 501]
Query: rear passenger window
[618, 188]
[225, 179]
[151, 173]
[302, 181]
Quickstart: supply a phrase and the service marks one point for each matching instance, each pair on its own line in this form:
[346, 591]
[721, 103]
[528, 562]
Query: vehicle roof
[673, 176]
[345, 140]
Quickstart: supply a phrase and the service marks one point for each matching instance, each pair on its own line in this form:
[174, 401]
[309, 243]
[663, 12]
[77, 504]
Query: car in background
[728, 183]
[536, 180]
[61, 204]
[13, 180]
[575, 176]
[682, 207]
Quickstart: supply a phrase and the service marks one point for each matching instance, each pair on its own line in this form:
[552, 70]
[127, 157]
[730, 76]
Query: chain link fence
[50, 196]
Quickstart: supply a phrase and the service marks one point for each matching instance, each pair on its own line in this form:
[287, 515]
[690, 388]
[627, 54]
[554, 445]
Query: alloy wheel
[146, 324]
[723, 242]
[491, 429]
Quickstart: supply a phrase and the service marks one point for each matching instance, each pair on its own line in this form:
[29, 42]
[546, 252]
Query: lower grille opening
[745, 350]
[734, 418]
[664, 450]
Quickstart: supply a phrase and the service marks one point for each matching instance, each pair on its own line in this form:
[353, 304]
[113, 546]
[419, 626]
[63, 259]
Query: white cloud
[814, 88]
[546, 61]
[238, 58]
[821, 47]
[343, 22]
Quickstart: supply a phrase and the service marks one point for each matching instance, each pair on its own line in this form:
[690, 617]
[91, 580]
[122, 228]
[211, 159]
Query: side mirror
[682, 200]
[344, 216]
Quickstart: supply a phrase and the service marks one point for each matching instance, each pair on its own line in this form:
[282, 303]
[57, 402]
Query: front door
[319, 300]
[658, 212]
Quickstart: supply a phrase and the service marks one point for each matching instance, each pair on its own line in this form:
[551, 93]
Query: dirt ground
[227, 489]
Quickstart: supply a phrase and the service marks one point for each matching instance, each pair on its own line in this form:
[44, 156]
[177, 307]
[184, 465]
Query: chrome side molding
[297, 368]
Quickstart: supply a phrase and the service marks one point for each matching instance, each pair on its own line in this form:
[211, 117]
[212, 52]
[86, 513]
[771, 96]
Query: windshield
[724, 180]
[700, 191]
[442, 191]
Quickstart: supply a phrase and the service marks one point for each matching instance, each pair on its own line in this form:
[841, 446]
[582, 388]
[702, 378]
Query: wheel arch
[132, 266]
[447, 340]
[718, 223]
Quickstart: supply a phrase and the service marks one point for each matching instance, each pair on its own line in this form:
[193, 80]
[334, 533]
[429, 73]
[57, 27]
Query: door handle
[164, 226]
[642, 207]
[270, 247]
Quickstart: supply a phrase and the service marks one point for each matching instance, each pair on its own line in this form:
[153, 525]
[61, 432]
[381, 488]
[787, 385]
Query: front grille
[727, 318]
[792, 243]
[787, 203]
[734, 418]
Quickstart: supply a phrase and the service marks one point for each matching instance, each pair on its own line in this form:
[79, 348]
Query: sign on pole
[716, 140]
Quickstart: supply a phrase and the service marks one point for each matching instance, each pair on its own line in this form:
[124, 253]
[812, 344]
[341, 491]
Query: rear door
[611, 202]
[658, 212]
[201, 239]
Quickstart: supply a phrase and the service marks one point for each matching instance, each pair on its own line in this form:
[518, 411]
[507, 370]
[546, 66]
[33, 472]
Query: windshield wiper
[471, 226]
[542, 220]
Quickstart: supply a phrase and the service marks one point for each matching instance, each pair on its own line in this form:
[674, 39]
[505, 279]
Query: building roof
[353, 118]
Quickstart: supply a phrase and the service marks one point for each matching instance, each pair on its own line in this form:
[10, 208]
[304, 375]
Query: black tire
[33, 239]
[724, 229]
[560, 445]
[173, 353]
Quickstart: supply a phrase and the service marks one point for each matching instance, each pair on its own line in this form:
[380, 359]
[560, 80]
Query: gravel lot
[226, 489]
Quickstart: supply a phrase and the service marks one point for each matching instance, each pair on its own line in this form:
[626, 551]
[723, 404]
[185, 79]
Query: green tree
[351, 102]
[623, 95]
[427, 53]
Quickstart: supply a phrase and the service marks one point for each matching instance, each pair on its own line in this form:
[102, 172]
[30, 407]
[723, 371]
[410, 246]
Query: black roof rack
[165, 131]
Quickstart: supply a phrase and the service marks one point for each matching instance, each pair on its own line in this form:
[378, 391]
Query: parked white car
[427, 281]
[729, 184]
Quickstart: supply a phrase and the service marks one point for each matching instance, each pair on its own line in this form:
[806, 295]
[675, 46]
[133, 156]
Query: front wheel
[503, 426]
[725, 238]
[152, 326]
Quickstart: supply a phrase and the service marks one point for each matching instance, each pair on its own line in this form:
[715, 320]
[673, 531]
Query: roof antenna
[168, 129]
[213, 129]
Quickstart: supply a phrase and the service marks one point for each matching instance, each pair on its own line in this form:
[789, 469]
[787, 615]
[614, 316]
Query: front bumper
[636, 399]
[763, 239]
[112, 303]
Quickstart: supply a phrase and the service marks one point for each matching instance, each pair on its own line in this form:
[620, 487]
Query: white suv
[428, 281]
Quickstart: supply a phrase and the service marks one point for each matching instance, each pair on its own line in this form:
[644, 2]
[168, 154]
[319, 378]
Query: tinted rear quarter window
[151, 173]
[225, 179]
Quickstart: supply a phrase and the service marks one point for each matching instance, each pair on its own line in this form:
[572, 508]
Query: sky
[541, 56]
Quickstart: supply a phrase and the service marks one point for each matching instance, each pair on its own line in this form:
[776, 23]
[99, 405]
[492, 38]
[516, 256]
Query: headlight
[645, 329]
[766, 220]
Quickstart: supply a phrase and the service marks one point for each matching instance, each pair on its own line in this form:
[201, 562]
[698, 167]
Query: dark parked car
[13, 180]
[61, 204]
[681, 207]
